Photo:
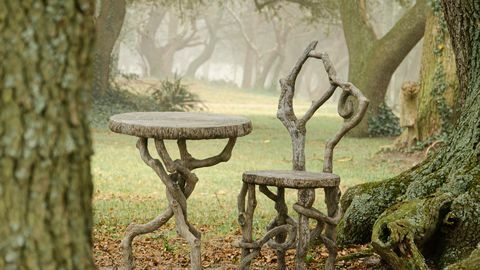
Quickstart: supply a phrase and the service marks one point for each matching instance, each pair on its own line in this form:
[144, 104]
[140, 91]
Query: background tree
[45, 145]
[212, 25]
[372, 59]
[180, 34]
[438, 81]
[435, 204]
[108, 24]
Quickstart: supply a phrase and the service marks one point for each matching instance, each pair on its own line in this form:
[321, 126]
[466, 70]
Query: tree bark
[448, 230]
[373, 60]
[45, 145]
[108, 25]
[437, 77]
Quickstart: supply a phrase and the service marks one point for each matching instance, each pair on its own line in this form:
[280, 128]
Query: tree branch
[193, 163]
[403, 36]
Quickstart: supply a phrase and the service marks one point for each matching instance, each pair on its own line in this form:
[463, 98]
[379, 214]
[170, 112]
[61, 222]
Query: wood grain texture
[291, 179]
[180, 125]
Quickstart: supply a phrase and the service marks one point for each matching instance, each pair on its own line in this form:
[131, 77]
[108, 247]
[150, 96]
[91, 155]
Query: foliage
[118, 100]
[175, 96]
[385, 124]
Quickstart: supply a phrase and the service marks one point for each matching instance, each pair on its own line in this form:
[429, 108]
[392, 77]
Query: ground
[126, 190]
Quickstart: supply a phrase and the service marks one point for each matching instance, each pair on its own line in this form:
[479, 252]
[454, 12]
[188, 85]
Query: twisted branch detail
[180, 182]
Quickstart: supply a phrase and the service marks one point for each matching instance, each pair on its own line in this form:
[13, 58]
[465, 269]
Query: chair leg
[245, 219]
[306, 197]
[332, 197]
[282, 216]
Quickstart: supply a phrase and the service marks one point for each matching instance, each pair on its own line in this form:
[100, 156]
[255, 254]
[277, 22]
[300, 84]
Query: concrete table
[176, 175]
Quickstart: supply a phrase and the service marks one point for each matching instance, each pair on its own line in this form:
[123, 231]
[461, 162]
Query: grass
[126, 190]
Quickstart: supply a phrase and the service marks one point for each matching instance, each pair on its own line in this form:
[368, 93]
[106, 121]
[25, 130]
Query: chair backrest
[352, 111]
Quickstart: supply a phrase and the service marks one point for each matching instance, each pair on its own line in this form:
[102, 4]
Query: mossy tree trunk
[45, 146]
[373, 60]
[437, 203]
[438, 80]
[108, 25]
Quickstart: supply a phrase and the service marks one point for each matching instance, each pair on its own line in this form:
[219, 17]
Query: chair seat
[291, 179]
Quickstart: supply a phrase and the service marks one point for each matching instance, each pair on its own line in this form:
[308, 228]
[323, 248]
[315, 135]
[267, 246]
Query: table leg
[180, 184]
[184, 229]
[134, 230]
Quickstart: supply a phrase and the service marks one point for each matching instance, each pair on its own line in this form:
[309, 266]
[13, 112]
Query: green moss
[364, 203]
[402, 230]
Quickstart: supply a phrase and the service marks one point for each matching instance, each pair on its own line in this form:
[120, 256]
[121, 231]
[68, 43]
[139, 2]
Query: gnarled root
[401, 231]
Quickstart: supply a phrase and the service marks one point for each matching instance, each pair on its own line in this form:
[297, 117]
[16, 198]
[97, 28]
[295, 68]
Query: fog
[234, 42]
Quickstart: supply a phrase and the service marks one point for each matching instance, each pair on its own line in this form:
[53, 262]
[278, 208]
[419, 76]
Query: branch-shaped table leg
[180, 184]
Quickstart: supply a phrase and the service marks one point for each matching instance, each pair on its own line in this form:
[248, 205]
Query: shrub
[118, 99]
[175, 96]
[385, 124]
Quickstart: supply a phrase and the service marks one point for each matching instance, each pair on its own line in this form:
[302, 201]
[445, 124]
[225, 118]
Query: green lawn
[127, 190]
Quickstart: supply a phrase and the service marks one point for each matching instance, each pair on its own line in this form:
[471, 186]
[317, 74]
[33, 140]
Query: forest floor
[126, 190]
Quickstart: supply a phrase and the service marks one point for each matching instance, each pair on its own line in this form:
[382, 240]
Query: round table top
[180, 125]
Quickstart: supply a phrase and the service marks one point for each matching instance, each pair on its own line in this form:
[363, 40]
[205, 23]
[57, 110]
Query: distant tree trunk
[209, 47]
[374, 60]
[148, 46]
[160, 57]
[276, 72]
[431, 210]
[204, 56]
[45, 145]
[265, 70]
[250, 53]
[163, 63]
[248, 68]
[438, 79]
[108, 25]
[281, 30]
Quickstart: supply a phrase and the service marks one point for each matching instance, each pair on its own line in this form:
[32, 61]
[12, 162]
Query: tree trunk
[148, 46]
[438, 78]
[431, 211]
[204, 56]
[163, 63]
[248, 68]
[45, 145]
[276, 72]
[209, 48]
[265, 70]
[373, 60]
[108, 25]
